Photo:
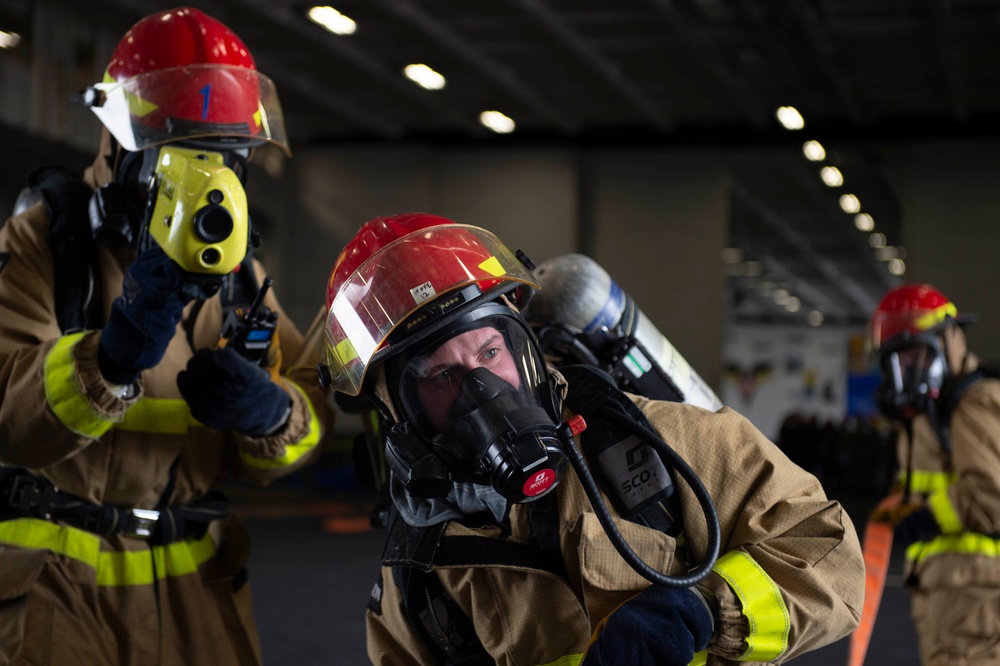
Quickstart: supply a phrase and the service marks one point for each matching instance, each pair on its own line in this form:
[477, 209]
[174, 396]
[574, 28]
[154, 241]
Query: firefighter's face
[440, 376]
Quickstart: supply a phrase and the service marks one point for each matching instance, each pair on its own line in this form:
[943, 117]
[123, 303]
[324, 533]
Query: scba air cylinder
[580, 297]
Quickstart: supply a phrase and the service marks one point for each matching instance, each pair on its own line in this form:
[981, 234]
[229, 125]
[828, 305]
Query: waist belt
[24, 495]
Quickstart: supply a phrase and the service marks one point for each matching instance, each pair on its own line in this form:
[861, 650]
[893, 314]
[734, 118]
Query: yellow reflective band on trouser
[113, 568]
[70, 404]
[567, 660]
[700, 658]
[293, 452]
[763, 605]
[968, 543]
[944, 512]
[927, 483]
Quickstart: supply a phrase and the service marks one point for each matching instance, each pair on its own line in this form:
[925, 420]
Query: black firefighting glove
[143, 319]
[660, 625]
[227, 392]
[918, 526]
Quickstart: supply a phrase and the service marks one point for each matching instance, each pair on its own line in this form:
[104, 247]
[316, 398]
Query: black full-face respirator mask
[475, 405]
[914, 370]
[187, 197]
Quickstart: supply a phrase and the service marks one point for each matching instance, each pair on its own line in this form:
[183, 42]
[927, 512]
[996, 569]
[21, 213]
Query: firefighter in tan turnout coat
[118, 413]
[948, 403]
[497, 553]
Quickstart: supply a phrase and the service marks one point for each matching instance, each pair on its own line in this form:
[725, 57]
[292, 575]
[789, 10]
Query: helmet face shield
[409, 283]
[218, 103]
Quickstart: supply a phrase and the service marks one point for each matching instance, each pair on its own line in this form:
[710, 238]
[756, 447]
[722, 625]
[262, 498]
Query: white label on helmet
[423, 292]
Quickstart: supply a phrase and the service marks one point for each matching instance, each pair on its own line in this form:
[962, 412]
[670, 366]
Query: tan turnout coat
[773, 516]
[955, 578]
[68, 596]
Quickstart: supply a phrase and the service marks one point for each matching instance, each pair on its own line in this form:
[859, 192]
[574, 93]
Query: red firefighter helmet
[910, 311]
[905, 334]
[181, 75]
[407, 272]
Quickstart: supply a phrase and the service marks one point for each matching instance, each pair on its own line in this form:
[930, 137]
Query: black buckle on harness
[31, 494]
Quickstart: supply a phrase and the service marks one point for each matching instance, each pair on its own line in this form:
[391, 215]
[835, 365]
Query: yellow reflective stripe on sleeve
[294, 451]
[700, 658]
[763, 605]
[567, 660]
[163, 416]
[927, 483]
[113, 568]
[944, 512]
[70, 405]
[967, 543]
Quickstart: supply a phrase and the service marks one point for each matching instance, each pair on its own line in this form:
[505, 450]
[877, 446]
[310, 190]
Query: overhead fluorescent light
[831, 176]
[877, 240]
[9, 40]
[497, 122]
[849, 203]
[814, 318]
[864, 222]
[814, 151]
[424, 76]
[790, 118]
[332, 20]
[793, 304]
[897, 266]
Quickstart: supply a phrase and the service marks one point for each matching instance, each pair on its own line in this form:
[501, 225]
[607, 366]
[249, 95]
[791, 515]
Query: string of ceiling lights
[832, 177]
[813, 150]
[426, 77]
[421, 74]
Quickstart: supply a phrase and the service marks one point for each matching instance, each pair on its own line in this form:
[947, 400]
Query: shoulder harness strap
[70, 237]
[951, 395]
[414, 552]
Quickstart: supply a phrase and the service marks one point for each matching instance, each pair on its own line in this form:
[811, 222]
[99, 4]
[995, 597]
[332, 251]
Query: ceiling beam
[774, 271]
[349, 52]
[780, 58]
[501, 75]
[838, 279]
[951, 61]
[816, 35]
[838, 219]
[363, 117]
[708, 53]
[610, 72]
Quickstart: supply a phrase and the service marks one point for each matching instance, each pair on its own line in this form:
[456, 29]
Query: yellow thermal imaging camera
[199, 212]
